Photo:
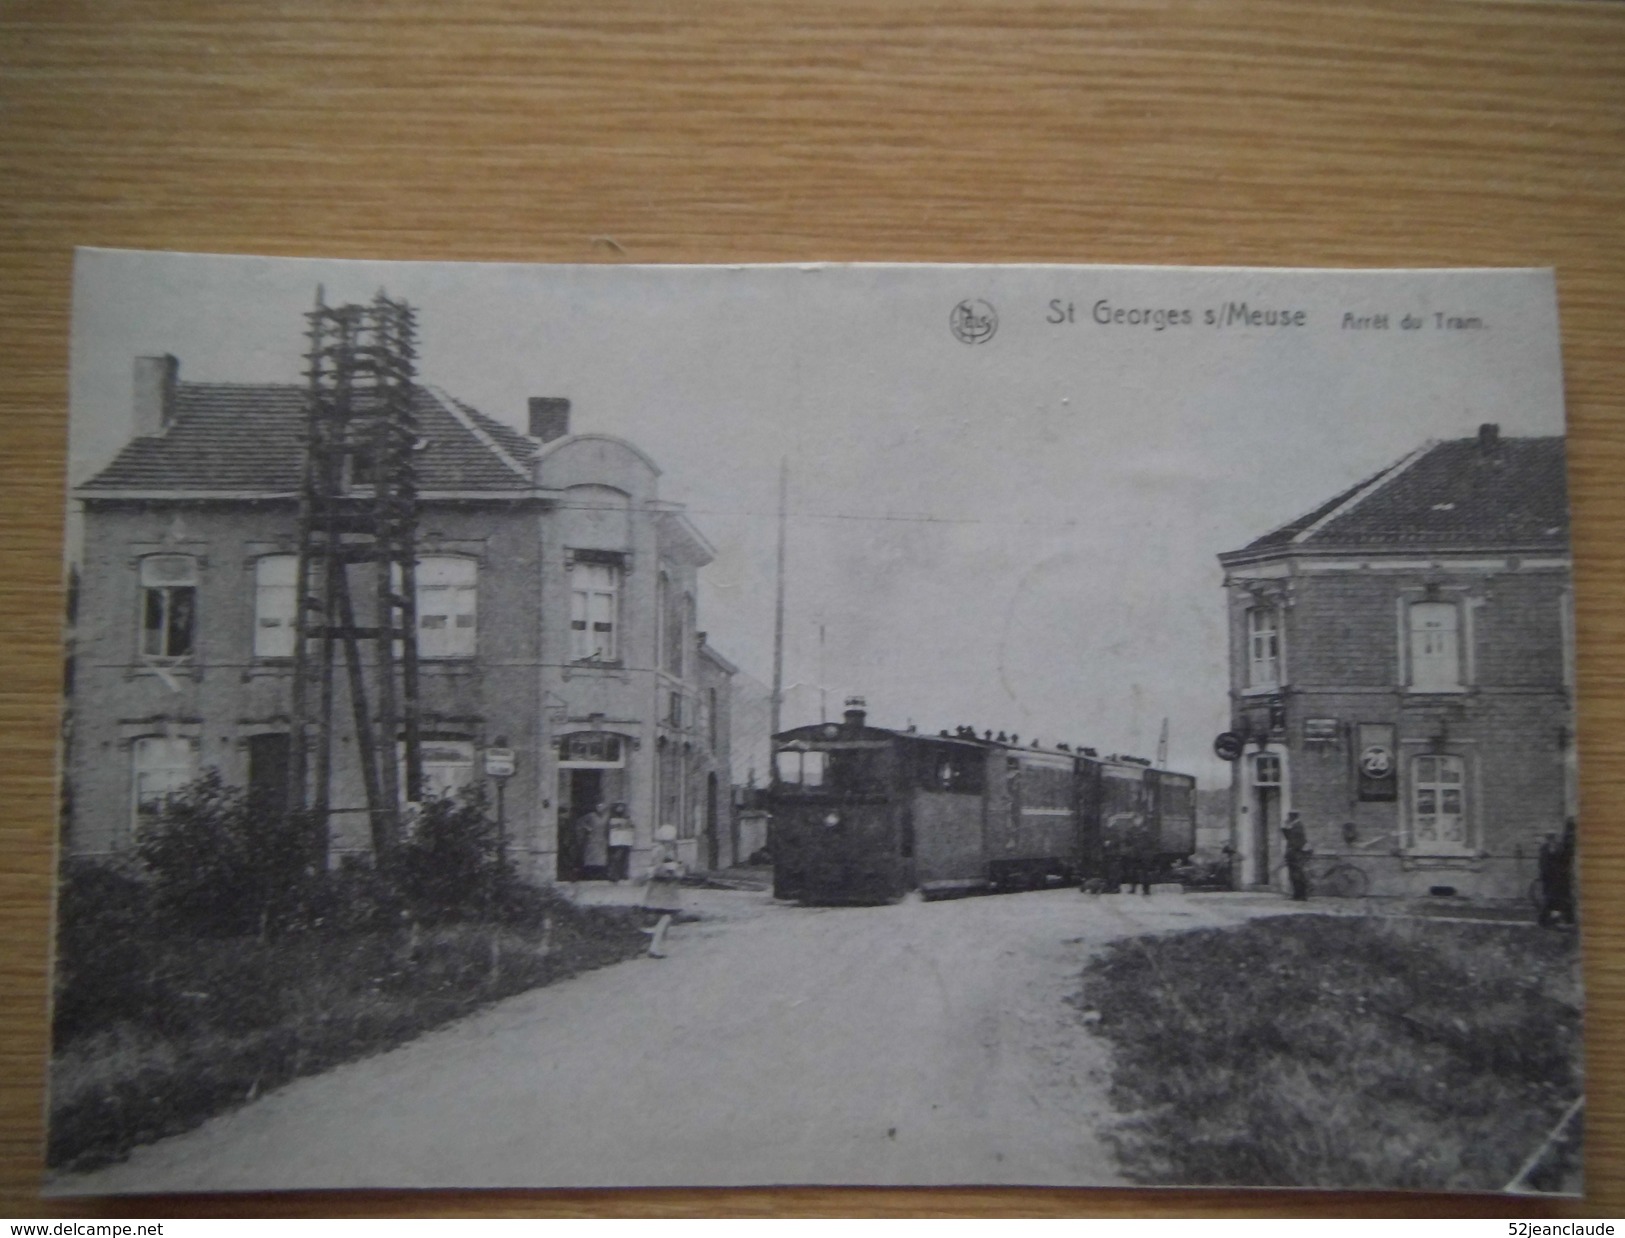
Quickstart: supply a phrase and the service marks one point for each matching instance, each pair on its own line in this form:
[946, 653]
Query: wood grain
[1040, 130]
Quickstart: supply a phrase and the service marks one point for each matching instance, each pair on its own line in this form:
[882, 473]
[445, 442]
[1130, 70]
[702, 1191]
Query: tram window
[801, 769]
[950, 769]
[856, 771]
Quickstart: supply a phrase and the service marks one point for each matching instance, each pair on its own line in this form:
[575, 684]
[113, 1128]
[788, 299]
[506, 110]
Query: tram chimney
[856, 712]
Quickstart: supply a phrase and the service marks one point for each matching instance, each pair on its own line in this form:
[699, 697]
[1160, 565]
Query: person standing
[620, 844]
[1297, 854]
[1142, 851]
[592, 834]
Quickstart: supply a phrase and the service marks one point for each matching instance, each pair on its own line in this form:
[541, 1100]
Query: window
[711, 717]
[1045, 787]
[592, 749]
[685, 635]
[448, 766]
[689, 826]
[446, 601]
[671, 628]
[276, 610]
[800, 769]
[1263, 647]
[1266, 770]
[168, 605]
[1435, 647]
[162, 766]
[1438, 808]
[594, 604]
[944, 767]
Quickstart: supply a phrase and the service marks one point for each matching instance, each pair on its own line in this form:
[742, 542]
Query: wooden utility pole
[778, 606]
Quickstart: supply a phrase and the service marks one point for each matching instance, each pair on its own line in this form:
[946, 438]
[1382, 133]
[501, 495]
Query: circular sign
[1229, 746]
[973, 321]
[1377, 762]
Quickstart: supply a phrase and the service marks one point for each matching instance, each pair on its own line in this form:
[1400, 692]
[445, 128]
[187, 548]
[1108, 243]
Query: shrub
[452, 866]
[224, 865]
[103, 949]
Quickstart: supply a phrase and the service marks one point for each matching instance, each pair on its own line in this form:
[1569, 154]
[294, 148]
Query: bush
[104, 969]
[452, 866]
[223, 865]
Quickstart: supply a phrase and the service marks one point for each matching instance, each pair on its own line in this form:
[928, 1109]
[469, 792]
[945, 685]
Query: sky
[1017, 534]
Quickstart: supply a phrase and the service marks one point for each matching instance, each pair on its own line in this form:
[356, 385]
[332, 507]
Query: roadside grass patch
[1338, 1052]
[155, 1032]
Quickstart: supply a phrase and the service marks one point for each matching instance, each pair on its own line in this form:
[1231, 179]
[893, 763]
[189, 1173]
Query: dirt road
[927, 1043]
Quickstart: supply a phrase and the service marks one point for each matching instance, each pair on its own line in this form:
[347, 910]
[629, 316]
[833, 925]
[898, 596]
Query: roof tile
[235, 436]
[1459, 494]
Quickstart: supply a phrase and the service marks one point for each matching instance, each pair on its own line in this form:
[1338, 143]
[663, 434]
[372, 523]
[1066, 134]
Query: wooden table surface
[1394, 134]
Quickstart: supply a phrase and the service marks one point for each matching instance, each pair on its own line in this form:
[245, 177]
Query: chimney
[155, 382]
[1489, 436]
[855, 712]
[549, 417]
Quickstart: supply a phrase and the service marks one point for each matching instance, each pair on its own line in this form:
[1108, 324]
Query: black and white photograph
[854, 725]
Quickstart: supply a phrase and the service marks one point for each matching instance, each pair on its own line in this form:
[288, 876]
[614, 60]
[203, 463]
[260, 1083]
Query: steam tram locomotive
[861, 814]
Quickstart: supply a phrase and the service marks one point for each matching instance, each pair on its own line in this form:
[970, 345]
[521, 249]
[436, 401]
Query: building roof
[1477, 493]
[241, 436]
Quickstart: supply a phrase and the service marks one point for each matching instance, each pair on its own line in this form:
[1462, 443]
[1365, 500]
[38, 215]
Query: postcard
[618, 726]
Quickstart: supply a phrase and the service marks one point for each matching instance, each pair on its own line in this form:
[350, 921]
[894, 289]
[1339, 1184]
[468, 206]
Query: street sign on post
[499, 762]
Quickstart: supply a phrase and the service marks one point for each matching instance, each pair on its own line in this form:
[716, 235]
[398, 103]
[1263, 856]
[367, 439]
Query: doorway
[268, 774]
[580, 790]
[1266, 772]
[713, 843]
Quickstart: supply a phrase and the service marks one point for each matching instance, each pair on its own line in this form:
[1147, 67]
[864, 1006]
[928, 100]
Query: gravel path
[926, 1043]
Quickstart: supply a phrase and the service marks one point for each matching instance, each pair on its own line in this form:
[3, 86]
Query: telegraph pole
[778, 609]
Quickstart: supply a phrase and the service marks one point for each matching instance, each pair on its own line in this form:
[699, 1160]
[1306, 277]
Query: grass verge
[207, 1024]
[1338, 1052]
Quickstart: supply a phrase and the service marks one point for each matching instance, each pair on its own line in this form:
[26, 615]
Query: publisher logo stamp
[973, 321]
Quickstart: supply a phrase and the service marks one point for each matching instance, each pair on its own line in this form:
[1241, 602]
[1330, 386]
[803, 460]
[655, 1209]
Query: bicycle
[1337, 879]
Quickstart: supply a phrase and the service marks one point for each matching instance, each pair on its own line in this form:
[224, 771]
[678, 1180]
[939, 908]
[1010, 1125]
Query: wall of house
[223, 695]
[1345, 664]
[610, 506]
[716, 726]
[522, 689]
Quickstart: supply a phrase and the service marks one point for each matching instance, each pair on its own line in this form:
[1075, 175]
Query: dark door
[711, 840]
[268, 774]
[579, 791]
[1265, 825]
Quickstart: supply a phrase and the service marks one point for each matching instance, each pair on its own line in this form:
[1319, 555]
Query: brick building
[556, 608]
[1402, 672]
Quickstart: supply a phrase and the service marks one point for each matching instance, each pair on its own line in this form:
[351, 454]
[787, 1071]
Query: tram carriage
[862, 814]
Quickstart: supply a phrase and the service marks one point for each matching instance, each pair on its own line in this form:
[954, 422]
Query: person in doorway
[1297, 856]
[620, 843]
[592, 836]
